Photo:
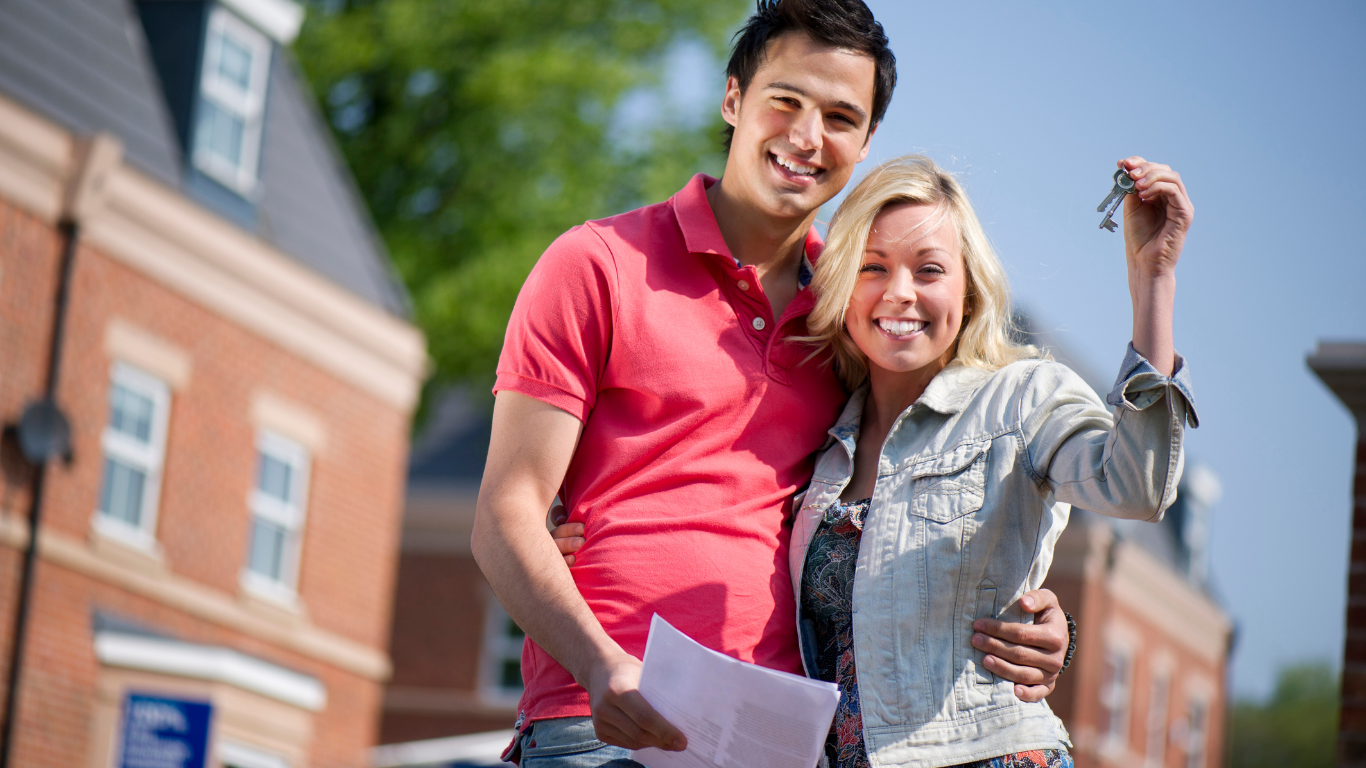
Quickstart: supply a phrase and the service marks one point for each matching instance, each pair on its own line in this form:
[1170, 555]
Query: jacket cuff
[1140, 385]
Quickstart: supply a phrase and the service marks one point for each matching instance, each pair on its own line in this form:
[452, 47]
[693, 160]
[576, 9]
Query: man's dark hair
[835, 23]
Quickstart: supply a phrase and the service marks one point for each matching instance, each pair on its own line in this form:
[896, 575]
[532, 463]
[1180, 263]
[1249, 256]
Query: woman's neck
[892, 392]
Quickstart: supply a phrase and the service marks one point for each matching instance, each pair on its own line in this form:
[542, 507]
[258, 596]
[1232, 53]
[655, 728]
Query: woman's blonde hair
[985, 339]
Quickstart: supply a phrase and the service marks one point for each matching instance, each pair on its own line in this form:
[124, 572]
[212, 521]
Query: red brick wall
[29, 255]
[356, 482]
[438, 621]
[60, 673]
[1352, 726]
[355, 492]
[438, 632]
[400, 727]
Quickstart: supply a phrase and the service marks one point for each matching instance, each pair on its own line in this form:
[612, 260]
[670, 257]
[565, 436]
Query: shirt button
[758, 323]
[744, 285]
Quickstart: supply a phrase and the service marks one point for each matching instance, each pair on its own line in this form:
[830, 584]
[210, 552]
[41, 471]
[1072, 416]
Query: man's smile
[794, 171]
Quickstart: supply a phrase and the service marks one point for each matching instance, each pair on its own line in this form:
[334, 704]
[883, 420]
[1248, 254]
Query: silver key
[1124, 185]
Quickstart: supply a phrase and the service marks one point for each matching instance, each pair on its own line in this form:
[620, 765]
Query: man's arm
[1029, 655]
[529, 451]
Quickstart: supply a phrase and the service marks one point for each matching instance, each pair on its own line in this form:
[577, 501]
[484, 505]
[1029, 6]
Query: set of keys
[1124, 185]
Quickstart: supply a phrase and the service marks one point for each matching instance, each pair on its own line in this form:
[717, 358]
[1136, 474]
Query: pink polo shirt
[700, 423]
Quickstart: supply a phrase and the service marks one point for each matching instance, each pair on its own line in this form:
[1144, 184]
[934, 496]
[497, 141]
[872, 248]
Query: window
[1197, 732]
[1115, 697]
[502, 663]
[227, 140]
[1159, 689]
[134, 444]
[277, 516]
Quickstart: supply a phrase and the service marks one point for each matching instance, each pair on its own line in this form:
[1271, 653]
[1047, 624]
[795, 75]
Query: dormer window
[227, 142]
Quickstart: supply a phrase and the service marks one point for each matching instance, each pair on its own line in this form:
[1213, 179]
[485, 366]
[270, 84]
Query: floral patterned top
[828, 603]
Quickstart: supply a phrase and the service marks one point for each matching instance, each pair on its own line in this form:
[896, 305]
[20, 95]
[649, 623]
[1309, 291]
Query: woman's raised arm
[1156, 220]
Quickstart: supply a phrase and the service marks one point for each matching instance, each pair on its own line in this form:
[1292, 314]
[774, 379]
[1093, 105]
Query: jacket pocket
[950, 485]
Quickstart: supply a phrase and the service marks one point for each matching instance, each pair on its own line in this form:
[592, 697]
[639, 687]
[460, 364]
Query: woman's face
[908, 303]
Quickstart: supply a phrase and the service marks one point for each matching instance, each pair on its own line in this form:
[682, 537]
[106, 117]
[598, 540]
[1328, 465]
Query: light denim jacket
[974, 486]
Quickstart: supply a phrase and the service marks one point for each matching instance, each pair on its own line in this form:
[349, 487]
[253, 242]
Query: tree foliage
[1296, 727]
[480, 130]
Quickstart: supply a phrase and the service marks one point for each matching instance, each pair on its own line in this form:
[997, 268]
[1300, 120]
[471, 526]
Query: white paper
[735, 714]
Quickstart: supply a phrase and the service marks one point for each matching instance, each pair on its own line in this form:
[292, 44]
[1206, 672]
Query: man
[647, 380]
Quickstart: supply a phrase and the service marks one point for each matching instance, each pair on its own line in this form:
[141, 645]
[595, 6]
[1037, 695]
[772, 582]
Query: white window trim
[1158, 716]
[150, 458]
[496, 648]
[1197, 741]
[280, 19]
[244, 756]
[1116, 739]
[250, 108]
[212, 663]
[285, 590]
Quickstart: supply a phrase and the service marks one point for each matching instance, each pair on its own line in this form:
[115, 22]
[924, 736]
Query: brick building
[239, 374]
[1342, 367]
[1147, 686]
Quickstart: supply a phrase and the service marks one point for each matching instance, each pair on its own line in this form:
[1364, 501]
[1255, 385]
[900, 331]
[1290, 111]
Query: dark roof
[85, 65]
[81, 63]
[453, 446]
[310, 207]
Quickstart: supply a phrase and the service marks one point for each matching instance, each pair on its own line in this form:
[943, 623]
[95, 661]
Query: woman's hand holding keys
[1156, 221]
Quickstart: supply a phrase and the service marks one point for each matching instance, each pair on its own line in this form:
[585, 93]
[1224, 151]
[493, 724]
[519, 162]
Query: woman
[956, 460]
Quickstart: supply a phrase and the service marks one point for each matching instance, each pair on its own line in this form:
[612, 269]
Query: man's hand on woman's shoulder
[1029, 655]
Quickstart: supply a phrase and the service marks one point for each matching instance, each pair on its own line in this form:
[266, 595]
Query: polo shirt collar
[702, 235]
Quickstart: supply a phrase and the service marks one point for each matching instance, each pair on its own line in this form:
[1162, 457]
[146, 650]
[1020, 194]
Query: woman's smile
[900, 329]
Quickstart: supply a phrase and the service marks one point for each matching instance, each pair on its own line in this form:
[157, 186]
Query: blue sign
[164, 733]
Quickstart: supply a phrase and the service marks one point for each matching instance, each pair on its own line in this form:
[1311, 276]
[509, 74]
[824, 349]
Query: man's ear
[867, 141]
[730, 103]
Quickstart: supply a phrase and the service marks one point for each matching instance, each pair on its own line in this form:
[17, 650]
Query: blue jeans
[570, 742]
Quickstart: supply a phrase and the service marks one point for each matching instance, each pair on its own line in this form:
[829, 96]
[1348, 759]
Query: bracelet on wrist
[1071, 641]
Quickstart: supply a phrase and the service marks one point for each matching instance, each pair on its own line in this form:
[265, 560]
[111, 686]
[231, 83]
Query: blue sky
[1261, 108]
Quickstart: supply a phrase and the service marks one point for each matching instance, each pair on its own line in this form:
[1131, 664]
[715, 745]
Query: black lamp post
[44, 434]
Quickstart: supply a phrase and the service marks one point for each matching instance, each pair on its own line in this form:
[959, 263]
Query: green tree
[1295, 728]
[480, 130]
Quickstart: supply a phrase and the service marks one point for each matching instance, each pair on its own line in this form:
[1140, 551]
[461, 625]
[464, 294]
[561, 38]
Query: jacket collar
[948, 393]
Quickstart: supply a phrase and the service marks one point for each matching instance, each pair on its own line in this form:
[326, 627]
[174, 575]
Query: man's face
[800, 127]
